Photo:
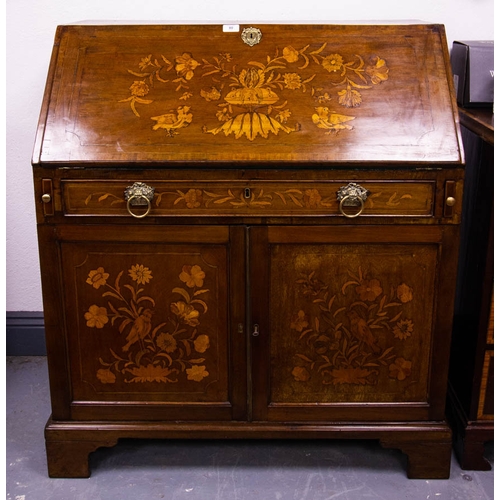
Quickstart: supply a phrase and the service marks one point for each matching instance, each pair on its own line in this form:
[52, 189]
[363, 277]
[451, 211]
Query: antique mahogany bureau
[248, 232]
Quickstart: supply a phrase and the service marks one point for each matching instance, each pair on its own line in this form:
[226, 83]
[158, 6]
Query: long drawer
[250, 198]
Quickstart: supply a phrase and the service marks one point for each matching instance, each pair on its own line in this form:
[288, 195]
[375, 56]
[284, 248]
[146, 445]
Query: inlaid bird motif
[172, 121]
[324, 119]
[140, 329]
[361, 330]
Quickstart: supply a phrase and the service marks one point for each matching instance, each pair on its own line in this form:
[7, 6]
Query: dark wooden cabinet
[471, 394]
[254, 240]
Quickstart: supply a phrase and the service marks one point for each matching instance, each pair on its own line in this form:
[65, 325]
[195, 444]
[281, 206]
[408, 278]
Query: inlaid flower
[252, 78]
[349, 97]
[403, 329]
[400, 369]
[201, 343]
[139, 89]
[150, 373]
[166, 342]
[96, 316]
[283, 115]
[145, 62]
[225, 56]
[292, 81]
[186, 65]
[404, 293]
[299, 321]
[210, 95]
[97, 277]
[312, 287]
[324, 98]
[223, 115]
[312, 198]
[140, 274]
[106, 376]
[197, 373]
[333, 62]
[186, 313]
[369, 290]
[192, 276]
[324, 343]
[300, 374]
[193, 198]
[377, 70]
[290, 54]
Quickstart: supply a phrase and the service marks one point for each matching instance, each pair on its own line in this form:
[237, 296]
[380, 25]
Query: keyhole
[247, 193]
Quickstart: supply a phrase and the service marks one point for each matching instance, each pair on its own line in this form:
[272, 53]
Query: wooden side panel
[150, 325]
[486, 393]
[54, 322]
[490, 337]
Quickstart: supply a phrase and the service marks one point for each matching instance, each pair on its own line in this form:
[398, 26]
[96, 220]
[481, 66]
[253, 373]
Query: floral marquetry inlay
[157, 344]
[199, 197]
[255, 98]
[337, 333]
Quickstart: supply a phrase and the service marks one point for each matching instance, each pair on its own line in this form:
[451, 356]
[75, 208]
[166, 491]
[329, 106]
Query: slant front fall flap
[307, 94]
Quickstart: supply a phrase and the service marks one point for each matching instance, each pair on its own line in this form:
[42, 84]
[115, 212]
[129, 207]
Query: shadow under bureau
[248, 232]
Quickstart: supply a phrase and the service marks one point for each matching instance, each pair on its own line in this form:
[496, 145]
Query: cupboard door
[149, 323]
[348, 328]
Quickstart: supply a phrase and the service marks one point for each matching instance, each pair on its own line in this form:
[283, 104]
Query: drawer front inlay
[258, 198]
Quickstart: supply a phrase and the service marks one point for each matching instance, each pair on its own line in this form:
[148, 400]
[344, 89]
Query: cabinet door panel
[152, 325]
[349, 323]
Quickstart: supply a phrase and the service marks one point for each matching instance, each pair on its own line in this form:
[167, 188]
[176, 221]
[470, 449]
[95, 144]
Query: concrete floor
[212, 470]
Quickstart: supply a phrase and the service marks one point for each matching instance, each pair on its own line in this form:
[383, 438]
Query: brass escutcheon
[251, 36]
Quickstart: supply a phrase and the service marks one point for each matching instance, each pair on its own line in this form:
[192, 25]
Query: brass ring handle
[135, 197]
[351, 198]
[352, 195]
[139, 194]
